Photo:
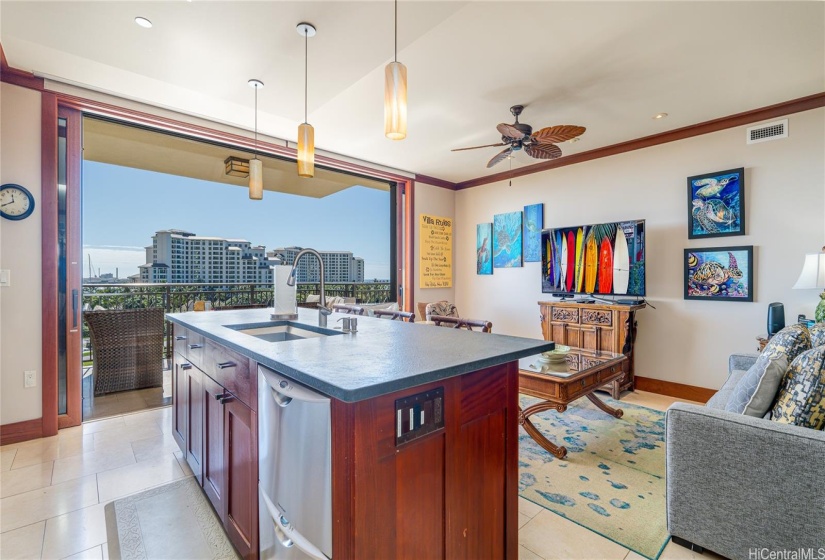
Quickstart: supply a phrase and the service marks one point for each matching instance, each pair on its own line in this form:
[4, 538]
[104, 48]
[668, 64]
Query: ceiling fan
[540, 145]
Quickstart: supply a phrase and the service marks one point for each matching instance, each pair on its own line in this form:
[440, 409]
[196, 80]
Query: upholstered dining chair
[441, 308]
[458, 323]
[348, 309]
[407, 316]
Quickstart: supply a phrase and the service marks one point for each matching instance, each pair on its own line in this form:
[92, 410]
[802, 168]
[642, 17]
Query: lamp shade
[395, 101]
[256, 179]
[813, 272]
[306, 150]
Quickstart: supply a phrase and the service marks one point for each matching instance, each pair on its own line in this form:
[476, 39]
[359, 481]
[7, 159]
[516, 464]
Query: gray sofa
[737, 483]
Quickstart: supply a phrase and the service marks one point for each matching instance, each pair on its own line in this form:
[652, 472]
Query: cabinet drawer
[601, 317]
[181, 338]
[576, 388]
[564, 314]
[231, 369]
[190, 345]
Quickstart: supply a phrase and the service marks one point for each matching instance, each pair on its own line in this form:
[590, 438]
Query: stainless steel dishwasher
[294, 470]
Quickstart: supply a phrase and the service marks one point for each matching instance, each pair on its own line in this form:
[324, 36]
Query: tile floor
[53, 491]
[124, 402]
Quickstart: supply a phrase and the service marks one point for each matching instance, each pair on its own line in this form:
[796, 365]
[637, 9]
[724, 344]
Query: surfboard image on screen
[605, 266]
[559, 281]
[621, 263]
[579, 278]
[591, 262]
[571, 261]
[563, 262]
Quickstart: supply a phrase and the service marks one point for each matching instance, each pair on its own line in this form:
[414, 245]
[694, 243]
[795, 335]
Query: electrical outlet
[30, 378]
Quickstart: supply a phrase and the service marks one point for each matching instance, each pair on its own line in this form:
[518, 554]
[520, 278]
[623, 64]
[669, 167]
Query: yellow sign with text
[436, 252]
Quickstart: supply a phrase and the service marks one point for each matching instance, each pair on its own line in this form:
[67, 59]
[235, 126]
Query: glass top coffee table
[561, 381]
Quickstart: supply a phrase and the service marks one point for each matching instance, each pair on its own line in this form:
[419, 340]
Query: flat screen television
[598, 259]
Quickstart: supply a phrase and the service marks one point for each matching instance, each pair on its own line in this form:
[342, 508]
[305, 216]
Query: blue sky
[123, 207]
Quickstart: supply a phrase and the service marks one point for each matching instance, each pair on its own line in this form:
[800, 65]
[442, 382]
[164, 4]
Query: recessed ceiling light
[143, 22]
[658, 116]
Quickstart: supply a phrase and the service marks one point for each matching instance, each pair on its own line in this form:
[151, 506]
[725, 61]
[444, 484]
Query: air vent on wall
[765, 132]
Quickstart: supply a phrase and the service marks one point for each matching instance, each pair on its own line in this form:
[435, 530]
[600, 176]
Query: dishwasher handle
[286, 534]
[284, 391]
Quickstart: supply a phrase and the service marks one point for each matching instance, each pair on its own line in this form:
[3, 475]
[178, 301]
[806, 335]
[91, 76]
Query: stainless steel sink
[282, 331]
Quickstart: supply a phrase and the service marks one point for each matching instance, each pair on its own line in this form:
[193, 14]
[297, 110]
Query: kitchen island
[424, 444]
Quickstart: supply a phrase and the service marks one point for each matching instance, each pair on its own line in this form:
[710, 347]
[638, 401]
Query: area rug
[171, 521]
[613, 478]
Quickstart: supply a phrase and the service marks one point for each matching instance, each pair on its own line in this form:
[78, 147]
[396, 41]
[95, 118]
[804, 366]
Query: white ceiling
[608, 66]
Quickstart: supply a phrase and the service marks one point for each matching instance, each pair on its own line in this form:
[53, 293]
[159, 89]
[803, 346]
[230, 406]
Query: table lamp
[813, 277]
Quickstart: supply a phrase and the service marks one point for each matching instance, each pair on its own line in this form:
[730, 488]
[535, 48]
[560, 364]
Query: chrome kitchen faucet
[322, 303]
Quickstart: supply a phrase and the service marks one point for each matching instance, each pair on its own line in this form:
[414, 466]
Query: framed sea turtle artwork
[716, 204]
[507, 240]
[484, 248]
[533, 224]
[719, 273]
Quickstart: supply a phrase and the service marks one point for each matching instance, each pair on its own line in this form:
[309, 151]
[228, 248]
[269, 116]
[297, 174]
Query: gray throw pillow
[721, 397]
[756, 391]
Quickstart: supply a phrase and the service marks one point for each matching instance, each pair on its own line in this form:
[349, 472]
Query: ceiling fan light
[256, 179]
[306, 150]
[395, 101]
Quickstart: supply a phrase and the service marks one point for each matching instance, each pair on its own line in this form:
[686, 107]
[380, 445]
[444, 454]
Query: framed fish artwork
[507, 240]
[716, 204]
[484, 249]
[533, 224]
[719, 273]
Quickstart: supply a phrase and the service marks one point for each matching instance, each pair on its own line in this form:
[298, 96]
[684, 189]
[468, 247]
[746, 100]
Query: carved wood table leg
[530, 428]
[615, 412]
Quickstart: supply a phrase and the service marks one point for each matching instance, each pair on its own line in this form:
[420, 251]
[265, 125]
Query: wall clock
[16, 202]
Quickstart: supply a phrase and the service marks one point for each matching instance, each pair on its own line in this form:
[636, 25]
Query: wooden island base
[452, 493]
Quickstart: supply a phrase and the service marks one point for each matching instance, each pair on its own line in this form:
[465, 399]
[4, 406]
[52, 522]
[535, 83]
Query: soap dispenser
[285, 297]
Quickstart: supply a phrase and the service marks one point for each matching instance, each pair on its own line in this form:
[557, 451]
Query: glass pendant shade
[256, 179]
[395, 101]
[306, 150]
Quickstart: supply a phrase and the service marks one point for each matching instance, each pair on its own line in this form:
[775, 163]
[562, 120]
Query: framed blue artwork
[507, 240]
[533, 224]
[484, 249]
[716, 204]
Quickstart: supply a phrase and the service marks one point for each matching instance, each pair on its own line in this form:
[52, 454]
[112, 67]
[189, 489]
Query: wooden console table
[597, 327]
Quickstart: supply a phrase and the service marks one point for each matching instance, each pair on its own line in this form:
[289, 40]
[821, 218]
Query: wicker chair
[127, 349]
[441, 308]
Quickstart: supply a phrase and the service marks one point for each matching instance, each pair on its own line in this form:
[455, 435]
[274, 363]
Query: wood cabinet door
[194, 421]
[179, 401]
[241, 490]
[214, 470]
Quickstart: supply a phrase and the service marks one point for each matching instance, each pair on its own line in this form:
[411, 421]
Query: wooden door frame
[52, 110]
[63, 104]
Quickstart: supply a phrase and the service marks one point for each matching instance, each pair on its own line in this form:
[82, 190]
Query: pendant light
[256, 168]
[306, 134]
[395, 94]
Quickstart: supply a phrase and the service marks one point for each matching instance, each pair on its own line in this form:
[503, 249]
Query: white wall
[20, 309]
[437, 202]
[681, 341]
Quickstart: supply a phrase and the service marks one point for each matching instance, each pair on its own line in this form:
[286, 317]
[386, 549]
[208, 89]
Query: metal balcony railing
[182, 297]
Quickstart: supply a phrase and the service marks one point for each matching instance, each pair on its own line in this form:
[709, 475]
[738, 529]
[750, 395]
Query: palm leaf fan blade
[510, 131]
[543, 151]
[559, 133]
[499, 157]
